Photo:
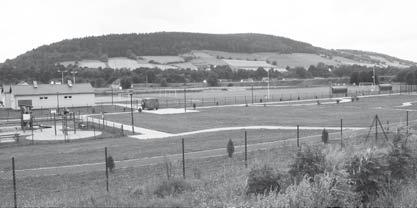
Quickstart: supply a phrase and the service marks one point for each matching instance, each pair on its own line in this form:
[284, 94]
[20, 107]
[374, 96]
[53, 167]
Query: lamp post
[131, 112]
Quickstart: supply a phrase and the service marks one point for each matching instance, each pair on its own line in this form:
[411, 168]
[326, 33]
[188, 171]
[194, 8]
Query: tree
[230, 148]
[164, 82]
[126, 83]
[260, 73]
[212, 79]
[302, 73]
[354, 78]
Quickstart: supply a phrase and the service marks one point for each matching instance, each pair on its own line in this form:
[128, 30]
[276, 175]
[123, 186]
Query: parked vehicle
[149, 104]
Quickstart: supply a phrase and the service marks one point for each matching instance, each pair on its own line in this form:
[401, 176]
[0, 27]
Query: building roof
[49, 89]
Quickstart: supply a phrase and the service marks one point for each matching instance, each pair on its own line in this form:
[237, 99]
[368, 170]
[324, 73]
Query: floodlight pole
[131, 112]
[57, 102]
[185, 100]
[268, 84]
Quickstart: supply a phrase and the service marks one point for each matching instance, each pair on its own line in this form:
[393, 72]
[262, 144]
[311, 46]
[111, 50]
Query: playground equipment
[26, 118]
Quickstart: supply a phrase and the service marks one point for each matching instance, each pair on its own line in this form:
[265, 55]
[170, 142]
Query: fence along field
[99, 180]
[367, 102]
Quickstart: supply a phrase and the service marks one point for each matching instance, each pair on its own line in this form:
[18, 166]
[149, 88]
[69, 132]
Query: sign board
[53, 111]
[26, 117]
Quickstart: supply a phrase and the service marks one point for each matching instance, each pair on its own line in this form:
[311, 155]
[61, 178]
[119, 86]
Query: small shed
[385, 87]
[339, 89]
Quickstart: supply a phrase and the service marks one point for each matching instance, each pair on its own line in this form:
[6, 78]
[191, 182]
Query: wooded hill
[171, 43]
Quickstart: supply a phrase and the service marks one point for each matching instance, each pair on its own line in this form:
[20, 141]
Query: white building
[47, 95]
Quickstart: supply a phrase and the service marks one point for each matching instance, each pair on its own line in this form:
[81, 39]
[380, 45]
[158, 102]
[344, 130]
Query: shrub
[110, 163]
[230, 85]
[368, 175]
[230, 148]
[307, 162]
[399, 160]
[171, 187]
[262, 180]
[325, 136]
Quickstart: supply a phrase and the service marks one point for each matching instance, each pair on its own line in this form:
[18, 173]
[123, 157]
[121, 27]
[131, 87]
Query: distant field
[356, 114]
[164, 59]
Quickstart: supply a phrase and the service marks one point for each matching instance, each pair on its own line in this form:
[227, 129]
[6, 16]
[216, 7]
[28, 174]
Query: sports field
[306, 114]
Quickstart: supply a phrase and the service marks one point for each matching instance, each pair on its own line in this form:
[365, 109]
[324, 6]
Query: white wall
[77, 100]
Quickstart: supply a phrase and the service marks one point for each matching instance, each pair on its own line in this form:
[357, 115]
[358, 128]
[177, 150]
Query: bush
[171, 187]
[110, 163]
[308, 162]
[368, 175]
[400, 160]
[230, 148]
[262, 180]
[325, 136]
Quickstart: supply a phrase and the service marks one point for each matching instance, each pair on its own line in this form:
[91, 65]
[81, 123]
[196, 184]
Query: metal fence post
[246, 149]
[14, 184]
[107, 167]
[183, 159]
[298, 135]
[341, 133]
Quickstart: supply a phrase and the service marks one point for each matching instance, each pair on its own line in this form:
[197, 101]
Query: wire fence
[185, 161]
[187, 99]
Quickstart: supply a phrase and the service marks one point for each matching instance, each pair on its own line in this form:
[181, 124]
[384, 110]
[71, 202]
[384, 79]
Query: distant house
[47, 95]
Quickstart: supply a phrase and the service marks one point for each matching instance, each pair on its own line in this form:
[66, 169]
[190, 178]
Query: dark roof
[48, 89]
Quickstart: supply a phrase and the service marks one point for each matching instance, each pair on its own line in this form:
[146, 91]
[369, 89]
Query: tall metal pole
[268, 84]
[185, 100]
[55, 123]
[14, 184]
[131, 112]
[252, 93]
[57, 102]
[183, 159]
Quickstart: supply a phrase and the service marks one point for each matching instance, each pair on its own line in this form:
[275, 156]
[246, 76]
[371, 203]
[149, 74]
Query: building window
[43, 98]
[68, 97]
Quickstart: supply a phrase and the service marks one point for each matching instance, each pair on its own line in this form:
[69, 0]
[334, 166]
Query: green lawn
[356, 114]
[92, 150]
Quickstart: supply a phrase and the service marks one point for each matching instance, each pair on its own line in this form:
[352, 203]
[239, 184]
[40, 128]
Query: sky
[384, 26]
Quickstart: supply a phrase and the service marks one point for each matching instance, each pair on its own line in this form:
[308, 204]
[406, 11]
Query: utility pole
[131, 112]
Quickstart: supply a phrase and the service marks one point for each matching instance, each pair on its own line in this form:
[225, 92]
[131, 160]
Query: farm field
[354, 114]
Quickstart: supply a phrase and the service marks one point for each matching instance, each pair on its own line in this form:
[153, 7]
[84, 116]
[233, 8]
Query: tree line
[104, 77]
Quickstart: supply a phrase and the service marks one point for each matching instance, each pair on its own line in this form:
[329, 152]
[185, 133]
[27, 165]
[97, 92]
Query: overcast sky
[385, 26]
